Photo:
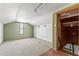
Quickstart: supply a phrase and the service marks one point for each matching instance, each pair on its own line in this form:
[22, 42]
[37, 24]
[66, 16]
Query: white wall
[1, 33]
[43, 32]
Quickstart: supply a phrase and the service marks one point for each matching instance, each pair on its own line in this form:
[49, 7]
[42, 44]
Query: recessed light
[71, 25]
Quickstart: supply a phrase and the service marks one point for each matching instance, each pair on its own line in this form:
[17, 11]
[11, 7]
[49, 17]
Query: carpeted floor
[24, 47]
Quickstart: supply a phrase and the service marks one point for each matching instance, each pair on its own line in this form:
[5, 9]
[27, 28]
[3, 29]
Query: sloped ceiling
[25, 12]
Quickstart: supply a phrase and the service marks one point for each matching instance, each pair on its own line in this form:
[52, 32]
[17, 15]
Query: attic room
[34, 29]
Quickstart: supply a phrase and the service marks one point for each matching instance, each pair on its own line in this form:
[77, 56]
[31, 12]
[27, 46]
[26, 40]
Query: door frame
[73, 6]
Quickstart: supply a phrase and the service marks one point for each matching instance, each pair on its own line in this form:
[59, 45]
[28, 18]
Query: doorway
[68, 34]
[69, 30]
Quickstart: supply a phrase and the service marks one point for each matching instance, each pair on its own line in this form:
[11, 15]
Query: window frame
[21, 28]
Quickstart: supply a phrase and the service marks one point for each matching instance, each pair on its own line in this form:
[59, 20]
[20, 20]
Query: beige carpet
[24, 47]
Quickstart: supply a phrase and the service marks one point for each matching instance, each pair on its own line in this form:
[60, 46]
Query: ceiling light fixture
[35, 10]
[71, 25]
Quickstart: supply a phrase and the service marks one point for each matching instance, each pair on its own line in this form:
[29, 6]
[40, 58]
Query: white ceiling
[25, 12]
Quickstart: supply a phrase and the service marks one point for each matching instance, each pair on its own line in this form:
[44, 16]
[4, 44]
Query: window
[21, 25]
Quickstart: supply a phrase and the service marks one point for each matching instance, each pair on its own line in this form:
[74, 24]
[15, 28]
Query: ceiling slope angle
[34, 13]
[38, 13]
[8, 12]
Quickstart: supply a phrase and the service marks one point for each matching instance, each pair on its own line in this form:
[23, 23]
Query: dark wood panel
[69, 19]
[69, 34]
[72, 35]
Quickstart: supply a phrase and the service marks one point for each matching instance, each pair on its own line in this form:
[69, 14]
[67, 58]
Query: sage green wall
[11, 31]
[54, 30]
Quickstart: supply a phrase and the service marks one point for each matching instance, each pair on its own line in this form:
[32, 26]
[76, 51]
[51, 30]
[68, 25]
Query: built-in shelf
[74, 23]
